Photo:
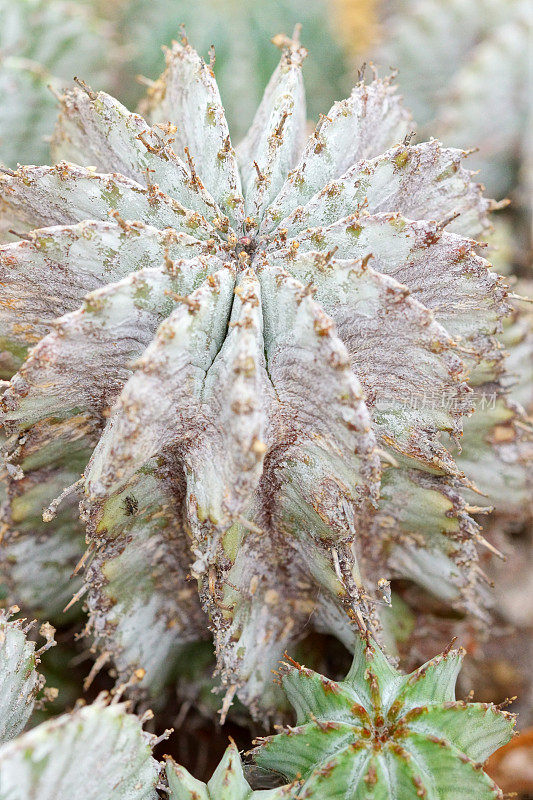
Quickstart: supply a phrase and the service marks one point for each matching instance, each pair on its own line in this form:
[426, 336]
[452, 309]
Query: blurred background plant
[43, 43]
[462, 72]
[465, 72]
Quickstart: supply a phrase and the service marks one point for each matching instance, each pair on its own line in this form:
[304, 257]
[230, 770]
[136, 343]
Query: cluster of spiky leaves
[98, 751]
[460, 60]
[242, 30]
[380, 734]
[457, 61]
[43, 43]
[251, 363]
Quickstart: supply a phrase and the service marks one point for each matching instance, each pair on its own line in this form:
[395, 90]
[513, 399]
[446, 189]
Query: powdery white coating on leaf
[423, 181]
[271, 601]
[379, 733]
[19, 679]
[430, 535]
[275, 139]
[142, 608]
[36, 560]
[66, 194]
[297, 332]
[94, 753]
[115, 137]
[114, 326]
[49, 274]
[237, 394]
[220, 488]
[513, 443]
[368, 122]
[441, 269]
[497, 446]
[38, 565]
[168, 376]
[498, 453]
[376, 315]
[517, 338]
[187, 96]
[241, 36]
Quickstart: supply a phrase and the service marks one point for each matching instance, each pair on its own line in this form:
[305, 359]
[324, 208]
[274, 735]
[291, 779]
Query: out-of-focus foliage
[43, 43]
[463, 66]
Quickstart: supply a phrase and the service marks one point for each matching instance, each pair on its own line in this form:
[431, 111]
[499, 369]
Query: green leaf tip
[379, 734]
[227, 783]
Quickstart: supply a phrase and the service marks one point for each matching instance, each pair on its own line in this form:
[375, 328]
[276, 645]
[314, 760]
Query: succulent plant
[43, 43]
[228, 782]
[457, 62]
[380, 734]
[251, 365]
[98, 751]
